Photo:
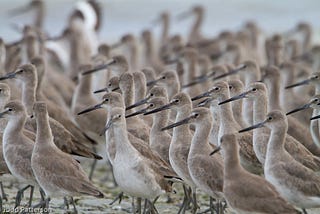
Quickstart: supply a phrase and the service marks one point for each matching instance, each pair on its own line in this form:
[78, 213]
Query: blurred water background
[123, 16]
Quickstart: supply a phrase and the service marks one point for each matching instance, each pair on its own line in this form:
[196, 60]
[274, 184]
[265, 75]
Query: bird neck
[128, 94]
[273, 89]
[200, 140]
[14, 126]
[260, 108]
[149, 50]
[133, 56]
[160, 120]
[276, 140]
[44, 134]
[182, 113]
[165, 31]
[231, 161]
[29, 95]
[227, 121]
[140, 89]
[40, 13]
[84, 86]
[191, 69]
[195, 29]
[237, 111]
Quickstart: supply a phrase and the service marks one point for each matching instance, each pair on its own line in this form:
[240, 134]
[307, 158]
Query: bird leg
[74, 206]
[153, 209]
[118, 197]
[185, 201]
[20, 195]
[4, 195]
[133, 206]
[93, 167]
[65, 203]
[31, 195]
[195, 205]
[139, 205]
[304, 211]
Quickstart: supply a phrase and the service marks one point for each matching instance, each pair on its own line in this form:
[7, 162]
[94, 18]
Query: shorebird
[130, 50]
[180, 144]
[76, 142]
[296, 129]
[90, 123]
[206, 172]
[246, 192]
[136, 125]
[195, 34]
[257, 92]
[295, 182]
[117, 65]
[220, 92]
[151, 57]
[314, 128]
[134, 173]
[169, 79]
[159, 141]
[58, 173]
[17, 148]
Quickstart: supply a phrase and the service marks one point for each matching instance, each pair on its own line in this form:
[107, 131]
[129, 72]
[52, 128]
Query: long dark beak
[3, 113]
[9, 76]
[101, 90]
[98, 106]
[259, 125]
[183, 15]
[215, 151]
[205, 94]
[161, 108]
[304, 82]
[204, 102]
[98, 68]
[108, 125]
[306, 106]
[182, 122]
[232, 72]
[238, 97]
[198, 80]
[142, 111]
[139, 103]
[152, 82]
[315, 117]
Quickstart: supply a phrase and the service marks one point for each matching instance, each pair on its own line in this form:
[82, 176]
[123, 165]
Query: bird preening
[171, 123]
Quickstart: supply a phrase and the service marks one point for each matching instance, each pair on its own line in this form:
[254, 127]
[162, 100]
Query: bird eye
[9, 109]
[151, 105]
[109, 85]
[217, 88]
[230, 87]
[316, 77]
[196, 115]
[20, 71]
[254, 89]
[119, 116]
[164, 77]
[270, 118]
[151, 95]
[315, 100]
[176, 101]
[106, 100]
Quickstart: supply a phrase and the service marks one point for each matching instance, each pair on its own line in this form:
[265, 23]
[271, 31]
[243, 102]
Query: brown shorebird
[295, 182]
[246, 192]
[58, 173]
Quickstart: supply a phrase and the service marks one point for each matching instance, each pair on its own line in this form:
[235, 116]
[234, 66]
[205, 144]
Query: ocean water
[123, 16]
